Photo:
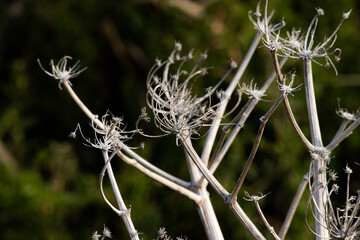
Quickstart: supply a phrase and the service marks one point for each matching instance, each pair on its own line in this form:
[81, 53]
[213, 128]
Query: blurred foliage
[49, 183]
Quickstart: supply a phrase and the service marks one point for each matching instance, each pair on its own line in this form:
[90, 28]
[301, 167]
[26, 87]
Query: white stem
[210, 139]
[246, 222]
[221, 191]
[319, 172]
[311, 105]
[148, 169]
[172, 185]
[204, 208]
[122, 207]
[250, 105]
[294, 204]
[340, 137]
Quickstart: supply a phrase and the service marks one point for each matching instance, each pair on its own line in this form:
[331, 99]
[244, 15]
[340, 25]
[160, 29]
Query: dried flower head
[271, 39]
[297, 45]
[111, 136]
[106, 232]
[176, 110]
[95, 236]
[342, 222]
[254, 198]
[61, 73]
[252, 90]
[289, 89]
[345, 114]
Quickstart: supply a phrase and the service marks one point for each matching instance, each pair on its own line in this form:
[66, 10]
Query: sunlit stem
[267, 224]
[210, 139]
[340, 137]
[263, 121]
[141, 164]
[319, 172]
[204, 207]
[295, 125]
[220, 190]
[294, 204]
[241, 117]
[124, 211]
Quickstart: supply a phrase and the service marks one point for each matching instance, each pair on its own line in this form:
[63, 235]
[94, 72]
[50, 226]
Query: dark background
[49, 183]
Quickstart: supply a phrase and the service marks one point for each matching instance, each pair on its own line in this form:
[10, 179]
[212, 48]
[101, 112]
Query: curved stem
[210, 139]
[319, 170]
[124, 211]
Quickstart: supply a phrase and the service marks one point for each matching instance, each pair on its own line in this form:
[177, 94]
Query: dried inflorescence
[176, 110]
[345, 114]
[297, 45]
[342, 222]
[61, 73]
[162, 234]
[105, 233]
[109, 138]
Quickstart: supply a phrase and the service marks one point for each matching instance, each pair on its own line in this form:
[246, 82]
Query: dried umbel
[176, 110]
[110, 137]
[342, 222]
[298, 45]
[61, 73]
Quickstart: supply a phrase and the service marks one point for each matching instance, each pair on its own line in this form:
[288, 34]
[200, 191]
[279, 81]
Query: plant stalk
[319, 170]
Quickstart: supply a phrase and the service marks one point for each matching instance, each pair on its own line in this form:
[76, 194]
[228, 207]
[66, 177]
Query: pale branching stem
[246, 222]
[347, 205]
[256, 199]
[342, 127]
[148, 169]
[153, 168]
[319, 165]
[123, 211]
[263, 121]
[204, 207]
[319, 219]
[220, 190]
[293, 122]
[354, 226]
[311, 105]
[240, 120]
[295, 125]
[210, 139]
[82, 106]
[165, 181]
[277, 67]
[267, 224]
[294, 204]
[217, 149]
[339, 138]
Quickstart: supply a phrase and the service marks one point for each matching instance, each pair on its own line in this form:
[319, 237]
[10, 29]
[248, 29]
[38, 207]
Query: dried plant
[178, 111]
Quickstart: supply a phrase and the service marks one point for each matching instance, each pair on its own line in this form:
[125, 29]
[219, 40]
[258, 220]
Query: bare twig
[263, 121]
[123, 211]
[294, 204]
[210, 139]
[256, 200]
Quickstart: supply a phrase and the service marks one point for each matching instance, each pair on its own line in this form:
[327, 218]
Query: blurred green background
[49, 183]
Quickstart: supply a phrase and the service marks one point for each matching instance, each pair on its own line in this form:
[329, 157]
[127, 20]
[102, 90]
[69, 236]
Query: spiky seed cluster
[109, 137]
[61, 73]
[106, 233]
[252, 90]
[344, 223]
[345, 114]
[176, 110]
[162, 234]
[297, 45]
